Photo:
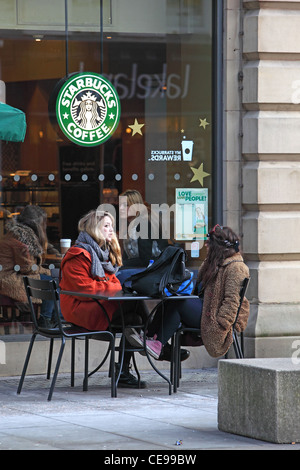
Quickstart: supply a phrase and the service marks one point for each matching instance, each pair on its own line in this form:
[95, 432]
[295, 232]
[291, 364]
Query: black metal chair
[239, 348]
[48, 290]
[176, 340]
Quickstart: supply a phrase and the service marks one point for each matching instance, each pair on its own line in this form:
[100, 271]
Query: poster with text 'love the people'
[191, 213]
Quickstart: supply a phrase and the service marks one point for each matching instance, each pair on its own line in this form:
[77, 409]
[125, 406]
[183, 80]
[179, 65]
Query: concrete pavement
[146, 419]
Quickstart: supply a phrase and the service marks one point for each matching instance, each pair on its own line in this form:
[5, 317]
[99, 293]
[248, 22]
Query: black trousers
[135, 313]
[167, 319]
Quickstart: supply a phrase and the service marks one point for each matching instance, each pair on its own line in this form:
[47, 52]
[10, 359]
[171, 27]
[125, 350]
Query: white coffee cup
[65, 244]
[187, 150]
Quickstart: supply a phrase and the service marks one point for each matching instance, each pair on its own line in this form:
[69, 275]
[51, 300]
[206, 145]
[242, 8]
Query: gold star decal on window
[199, 174]
[203, 123]
[136, 127]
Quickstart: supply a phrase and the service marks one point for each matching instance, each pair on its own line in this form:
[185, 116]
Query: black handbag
[166, 273]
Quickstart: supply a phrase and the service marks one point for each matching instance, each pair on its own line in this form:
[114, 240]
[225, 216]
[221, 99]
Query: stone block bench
[260, 398]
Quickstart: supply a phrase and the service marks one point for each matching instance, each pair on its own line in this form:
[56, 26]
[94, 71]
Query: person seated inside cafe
[140, 248]
[23, 248]
[91, 264]
[139, 244]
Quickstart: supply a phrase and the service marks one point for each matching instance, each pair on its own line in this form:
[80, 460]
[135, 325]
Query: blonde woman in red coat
[91, 264]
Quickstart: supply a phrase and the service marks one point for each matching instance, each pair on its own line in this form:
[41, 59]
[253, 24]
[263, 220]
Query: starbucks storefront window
[86, 143]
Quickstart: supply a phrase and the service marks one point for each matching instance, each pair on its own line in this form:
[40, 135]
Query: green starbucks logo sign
[88, 109]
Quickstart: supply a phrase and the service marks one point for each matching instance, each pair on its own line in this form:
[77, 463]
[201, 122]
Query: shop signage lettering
[147, 85]
[189, 196]
[174, 155]
[165, 155]
[88, 109]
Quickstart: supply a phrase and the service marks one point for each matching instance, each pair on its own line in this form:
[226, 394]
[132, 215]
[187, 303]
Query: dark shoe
[44, 322]
[166, 354]
[128, 380]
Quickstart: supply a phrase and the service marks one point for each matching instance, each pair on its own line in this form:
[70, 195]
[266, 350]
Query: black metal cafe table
[121, 297]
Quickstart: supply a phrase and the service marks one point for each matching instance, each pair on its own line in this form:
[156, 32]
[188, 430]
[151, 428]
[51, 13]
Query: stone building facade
[262, 164]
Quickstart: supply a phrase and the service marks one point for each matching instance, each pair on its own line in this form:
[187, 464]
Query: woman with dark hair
[218, 286]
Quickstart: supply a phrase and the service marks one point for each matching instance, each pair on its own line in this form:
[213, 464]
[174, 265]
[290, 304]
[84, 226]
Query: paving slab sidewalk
[146, 419]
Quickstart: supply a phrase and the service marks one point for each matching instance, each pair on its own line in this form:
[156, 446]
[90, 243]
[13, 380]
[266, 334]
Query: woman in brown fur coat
[218, 287]
[21, 253]
[219, 282]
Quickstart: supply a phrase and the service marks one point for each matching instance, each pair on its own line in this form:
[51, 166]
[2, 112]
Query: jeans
[47, 308]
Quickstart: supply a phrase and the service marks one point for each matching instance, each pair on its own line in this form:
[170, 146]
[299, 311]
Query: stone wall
[270, 172]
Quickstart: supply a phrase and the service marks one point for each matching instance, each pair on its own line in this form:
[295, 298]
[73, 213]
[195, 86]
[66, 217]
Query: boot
[128, 380]
[166, 354]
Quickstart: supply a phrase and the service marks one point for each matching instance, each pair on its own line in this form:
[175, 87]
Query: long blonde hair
[133, 197]
[91, 223]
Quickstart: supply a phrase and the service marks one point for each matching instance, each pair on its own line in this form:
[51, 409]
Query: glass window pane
[158, 56]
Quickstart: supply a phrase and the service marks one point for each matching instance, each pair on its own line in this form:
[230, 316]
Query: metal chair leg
[236, 345]
[177, 362]
[50, 358]
[172, 365]
[86, 365]
[112, 369]
[26, 363]
[61, 351]
[242, 343]
[73, 362]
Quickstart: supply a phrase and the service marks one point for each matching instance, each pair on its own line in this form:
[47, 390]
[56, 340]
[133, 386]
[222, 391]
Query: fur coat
[20, 255]
[220, 304]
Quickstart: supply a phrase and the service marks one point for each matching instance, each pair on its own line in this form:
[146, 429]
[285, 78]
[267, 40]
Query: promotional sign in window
[191, 213]
[88, 109]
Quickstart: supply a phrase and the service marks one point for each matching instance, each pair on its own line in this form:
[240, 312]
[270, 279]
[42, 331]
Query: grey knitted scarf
[101, 263]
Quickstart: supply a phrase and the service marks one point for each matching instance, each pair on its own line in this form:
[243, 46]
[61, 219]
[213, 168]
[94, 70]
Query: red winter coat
[76, 275]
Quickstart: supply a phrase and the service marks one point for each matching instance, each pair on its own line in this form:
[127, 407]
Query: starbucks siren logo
[88, 109]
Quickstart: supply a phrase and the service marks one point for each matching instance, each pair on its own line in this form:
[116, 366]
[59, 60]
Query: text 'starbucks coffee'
[88, 109]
